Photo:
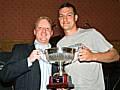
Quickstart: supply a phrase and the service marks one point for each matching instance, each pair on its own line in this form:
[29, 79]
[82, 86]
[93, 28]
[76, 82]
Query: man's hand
[35, 55]
[85, 54]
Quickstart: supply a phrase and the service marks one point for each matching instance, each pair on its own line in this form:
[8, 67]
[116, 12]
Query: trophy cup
[60, 55]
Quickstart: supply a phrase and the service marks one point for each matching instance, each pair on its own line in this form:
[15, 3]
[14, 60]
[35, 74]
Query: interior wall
[17, 18]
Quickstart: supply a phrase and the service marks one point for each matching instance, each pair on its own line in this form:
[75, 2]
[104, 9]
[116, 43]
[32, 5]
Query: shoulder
[90, 31]
[21, 46]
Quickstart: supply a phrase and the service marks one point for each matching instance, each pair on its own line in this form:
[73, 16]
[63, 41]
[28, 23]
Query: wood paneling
[7, 45]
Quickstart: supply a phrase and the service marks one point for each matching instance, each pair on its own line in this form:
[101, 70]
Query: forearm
[12, 70]
[109, 56]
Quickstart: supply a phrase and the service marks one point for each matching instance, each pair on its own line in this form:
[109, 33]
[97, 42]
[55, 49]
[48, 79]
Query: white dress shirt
[45, 66]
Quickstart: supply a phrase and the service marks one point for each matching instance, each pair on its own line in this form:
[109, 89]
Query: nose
[43, 31]
[64, 19]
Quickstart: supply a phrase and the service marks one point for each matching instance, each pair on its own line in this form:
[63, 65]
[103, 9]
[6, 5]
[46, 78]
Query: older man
[28, 67]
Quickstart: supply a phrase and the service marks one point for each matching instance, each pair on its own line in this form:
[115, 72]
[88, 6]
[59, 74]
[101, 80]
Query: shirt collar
[39, 45]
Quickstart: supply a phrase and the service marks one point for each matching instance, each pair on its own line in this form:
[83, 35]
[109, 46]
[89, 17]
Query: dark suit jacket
[16, 69]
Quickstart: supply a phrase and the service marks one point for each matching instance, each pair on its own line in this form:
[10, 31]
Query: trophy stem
[60, 67]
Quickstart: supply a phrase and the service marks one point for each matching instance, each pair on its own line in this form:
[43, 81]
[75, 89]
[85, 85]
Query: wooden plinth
[60, 85]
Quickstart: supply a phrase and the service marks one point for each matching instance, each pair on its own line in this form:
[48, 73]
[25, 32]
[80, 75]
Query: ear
[51, 32]
[34, 32]
[76, 17]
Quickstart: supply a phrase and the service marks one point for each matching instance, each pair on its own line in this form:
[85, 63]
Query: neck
[41, 43]
[71, 31]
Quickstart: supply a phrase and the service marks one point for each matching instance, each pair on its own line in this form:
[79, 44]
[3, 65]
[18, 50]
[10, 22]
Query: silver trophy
[62, 56]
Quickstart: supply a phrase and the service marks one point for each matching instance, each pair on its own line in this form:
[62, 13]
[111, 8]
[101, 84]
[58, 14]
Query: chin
[66, 29]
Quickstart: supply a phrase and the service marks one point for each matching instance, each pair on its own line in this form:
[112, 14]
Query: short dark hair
[66, 4]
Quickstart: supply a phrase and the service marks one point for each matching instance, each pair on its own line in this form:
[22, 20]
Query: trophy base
[60, 82]
[60, 85]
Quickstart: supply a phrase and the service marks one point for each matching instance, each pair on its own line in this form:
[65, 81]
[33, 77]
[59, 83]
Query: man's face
[43, 31]
[67, 18]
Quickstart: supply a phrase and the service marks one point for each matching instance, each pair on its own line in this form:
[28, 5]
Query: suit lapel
[36, 72]
[30, 48]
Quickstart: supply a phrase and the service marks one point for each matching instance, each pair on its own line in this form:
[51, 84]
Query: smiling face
[67, 18]
[43, 31]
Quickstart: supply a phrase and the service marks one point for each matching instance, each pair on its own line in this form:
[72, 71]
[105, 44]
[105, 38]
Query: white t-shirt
[86, 75]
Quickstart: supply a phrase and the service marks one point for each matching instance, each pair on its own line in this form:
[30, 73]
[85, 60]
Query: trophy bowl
[61, 55]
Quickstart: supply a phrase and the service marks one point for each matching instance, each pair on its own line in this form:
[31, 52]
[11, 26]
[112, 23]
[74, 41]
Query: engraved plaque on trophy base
[63, 81]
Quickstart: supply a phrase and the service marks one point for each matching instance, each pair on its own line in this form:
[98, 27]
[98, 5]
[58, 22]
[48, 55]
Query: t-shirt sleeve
[99, 42]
